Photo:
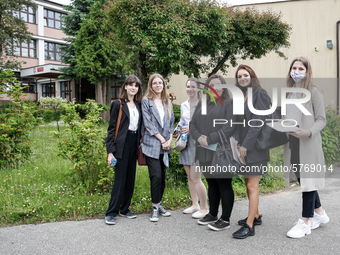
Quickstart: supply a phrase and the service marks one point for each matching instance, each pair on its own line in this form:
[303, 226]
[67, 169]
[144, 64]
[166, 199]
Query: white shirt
[161, 114]
[186, 112]
[134, 117]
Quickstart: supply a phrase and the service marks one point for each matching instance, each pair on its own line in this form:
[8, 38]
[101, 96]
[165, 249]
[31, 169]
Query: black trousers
[157, 177]
[219, 189]
[125, 172]
[310, 199]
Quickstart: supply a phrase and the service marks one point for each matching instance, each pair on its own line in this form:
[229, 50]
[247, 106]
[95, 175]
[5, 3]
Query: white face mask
[297, 77]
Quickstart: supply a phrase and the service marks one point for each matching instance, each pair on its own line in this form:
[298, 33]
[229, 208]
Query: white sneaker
[190, 210]
[318, 219]
[199, 215]
[299, 230]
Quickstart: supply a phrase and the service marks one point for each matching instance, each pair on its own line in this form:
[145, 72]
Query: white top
[161, 114]
[134, 117]
[186, 112]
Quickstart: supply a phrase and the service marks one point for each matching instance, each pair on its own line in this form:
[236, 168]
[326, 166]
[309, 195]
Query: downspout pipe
[337, 67]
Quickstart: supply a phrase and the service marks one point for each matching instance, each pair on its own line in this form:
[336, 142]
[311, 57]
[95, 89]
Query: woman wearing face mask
[246, 136]
[187, 156]
[305, 147]
[204, 133]
[158, 119]
[124, 147]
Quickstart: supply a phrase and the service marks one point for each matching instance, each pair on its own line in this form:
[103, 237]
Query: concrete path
[180, 234]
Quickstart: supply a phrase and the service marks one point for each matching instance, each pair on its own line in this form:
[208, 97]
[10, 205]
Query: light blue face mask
[296, 76]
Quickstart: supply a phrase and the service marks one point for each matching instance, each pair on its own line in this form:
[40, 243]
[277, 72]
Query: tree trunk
[108, 100]
[141, 71]
[219, 64]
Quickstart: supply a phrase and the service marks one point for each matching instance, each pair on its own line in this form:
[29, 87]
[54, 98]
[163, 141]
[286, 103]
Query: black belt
[132, 132]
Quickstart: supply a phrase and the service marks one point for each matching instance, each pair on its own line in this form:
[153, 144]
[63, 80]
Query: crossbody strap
[118, 121]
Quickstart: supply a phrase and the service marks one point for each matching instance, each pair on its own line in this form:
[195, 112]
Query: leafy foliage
[53, 103]
[83, 143]
[16, 121]
[13, 30]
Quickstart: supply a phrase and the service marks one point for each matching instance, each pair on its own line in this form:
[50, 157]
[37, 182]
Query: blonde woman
[158, 120]
[304, 149]
[187, 156]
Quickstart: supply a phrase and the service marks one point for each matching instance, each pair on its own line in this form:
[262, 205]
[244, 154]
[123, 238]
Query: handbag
[223, 159]
[179, 144]
[269, 137]
[141, 156]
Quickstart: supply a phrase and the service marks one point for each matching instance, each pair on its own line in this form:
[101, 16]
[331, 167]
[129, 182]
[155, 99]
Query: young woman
[246, 137]
[305, 147]
[187, 156]
[124, 147]
[204, 133]
[158, 119]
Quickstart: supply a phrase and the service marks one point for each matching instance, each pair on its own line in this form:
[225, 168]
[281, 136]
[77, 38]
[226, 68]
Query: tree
[169, 36]
[99, 55]
[78, 10]
[13, 30]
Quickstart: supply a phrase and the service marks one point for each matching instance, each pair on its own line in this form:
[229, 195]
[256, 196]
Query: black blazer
[203, 125]
[247, 136]
[117, 147]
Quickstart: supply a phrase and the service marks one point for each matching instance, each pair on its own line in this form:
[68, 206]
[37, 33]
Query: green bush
[49, 116]
[16, 122]
[331, 137]
[84, 109]
[176, 173]
[177, 112]
[83, 144]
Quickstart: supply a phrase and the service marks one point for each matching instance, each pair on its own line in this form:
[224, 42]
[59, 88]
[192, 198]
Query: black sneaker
[163, 212]
[207, 219]
[220, 224]
[154, 214]
[244, 232]
[257, 221]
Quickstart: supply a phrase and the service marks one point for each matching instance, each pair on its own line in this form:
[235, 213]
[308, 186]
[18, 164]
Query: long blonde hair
[151, 94]
[307, 83]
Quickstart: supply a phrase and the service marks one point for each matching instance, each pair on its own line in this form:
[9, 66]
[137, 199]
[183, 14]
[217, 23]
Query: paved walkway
[180, 234]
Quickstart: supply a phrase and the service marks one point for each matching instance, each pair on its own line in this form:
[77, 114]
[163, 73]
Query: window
[30, 85]
[48, 90]
[53, 19]
[25, 49]
[53, 51]
[65, 90]
[27, 14]
[115, 87]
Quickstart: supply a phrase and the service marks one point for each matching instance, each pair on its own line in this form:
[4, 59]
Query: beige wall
[54, 33]
[52, 62]
[313, 23]
[33, 28]
[29, 62]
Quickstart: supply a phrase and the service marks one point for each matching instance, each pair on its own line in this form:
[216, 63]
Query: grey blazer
[151, 146]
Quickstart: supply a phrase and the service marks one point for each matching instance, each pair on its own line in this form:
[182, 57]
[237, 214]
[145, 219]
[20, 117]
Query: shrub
[83, 143]
[177, 112]
[176, 173]
[84, 109]
[331, 137]
[53, 103]
[16, 121]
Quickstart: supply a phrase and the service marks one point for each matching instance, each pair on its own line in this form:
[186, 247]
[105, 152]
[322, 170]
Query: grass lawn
[41, 191]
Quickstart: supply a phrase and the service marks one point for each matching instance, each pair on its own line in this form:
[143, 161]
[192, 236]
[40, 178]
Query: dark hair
[129, 80]
[255, 83]
[225, 93]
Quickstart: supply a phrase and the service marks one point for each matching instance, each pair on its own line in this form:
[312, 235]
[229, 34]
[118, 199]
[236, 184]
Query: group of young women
[150, 120]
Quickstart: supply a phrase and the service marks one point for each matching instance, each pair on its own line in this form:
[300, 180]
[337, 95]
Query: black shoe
[244, 232]
[220, 224]
[257, 221]
[207, 219]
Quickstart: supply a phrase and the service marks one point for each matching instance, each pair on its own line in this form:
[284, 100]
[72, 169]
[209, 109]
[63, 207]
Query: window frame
[67, 92]
[47, 94]
[30, 82]
[47, 18]
[29, 48]
[55, 51]
[29, 11]
[115, 88]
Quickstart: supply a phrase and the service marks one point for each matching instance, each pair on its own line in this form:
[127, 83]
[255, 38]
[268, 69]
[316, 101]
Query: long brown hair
[307, 83]
[225, 93]
[151, 94]
[129, 80]
[255, 83]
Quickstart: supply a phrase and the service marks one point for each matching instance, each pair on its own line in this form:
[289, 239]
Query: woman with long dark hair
[123, 146]
[304, 150]
[158, 119]
[205, 133]
[246, 136]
